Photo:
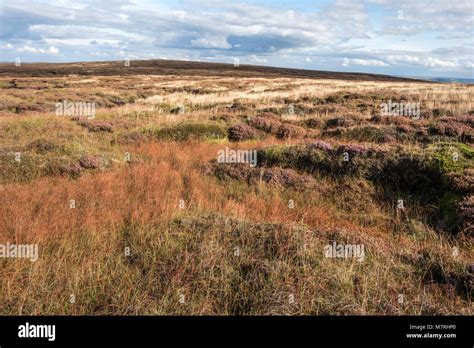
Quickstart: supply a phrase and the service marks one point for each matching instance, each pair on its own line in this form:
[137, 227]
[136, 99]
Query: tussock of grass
[186, 131]
[213, 264]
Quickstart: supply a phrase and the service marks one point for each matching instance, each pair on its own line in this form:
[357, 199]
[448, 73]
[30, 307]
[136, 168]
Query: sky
[411, 38]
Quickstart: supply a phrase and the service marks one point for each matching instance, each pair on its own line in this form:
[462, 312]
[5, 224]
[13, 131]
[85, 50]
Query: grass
[187, 131]
[159, 227]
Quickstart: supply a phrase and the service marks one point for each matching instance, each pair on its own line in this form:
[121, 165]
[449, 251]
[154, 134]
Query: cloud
[264, 43]
[256, 59]
[29, 49]
[453, 20]
[403, 59]
[211, 42]
[435, 63]
[367, 62]
[427, 39]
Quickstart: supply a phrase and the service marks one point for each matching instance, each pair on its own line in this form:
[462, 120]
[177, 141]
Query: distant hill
[175, 67]
[451, 80]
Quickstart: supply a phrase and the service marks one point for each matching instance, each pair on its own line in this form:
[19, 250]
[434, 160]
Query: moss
[302, 158]
[74, 150]
[27, 168]
[452, 157]
[416, 230]
[447, 212]
[4, 85]
[275, 155]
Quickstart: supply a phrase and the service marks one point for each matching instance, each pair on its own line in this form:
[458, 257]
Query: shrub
[267, 125]
[129, 138]
[313, 123]
[335, 98]
[90, 162]
[466, 213]
[241, 132]
[41, 146]
[354, 149]
[466, 119]
[237, 106]
[339, 122]
[116, 100]
[286, 131]
[441, 112]
[319, 157]
[286, 178]
[73, 169]
[225, 117]
[272, 110]
[319, 144]
[177, 110]
[462, 182]
[381, 134]
[274, 176]
[387, 120]
[404, 128]
[422, 132]
[96, 126]
[411, 173]
[448, 129]
[269, 115]
[369, 134]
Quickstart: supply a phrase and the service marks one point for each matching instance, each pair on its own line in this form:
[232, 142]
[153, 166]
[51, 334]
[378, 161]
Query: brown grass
[191, 250]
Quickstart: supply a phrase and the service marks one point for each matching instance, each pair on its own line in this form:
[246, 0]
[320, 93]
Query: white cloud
[436, 63]
[30, 49]
[256, 59]
[403, 58]
[53, 50]
[48, 31]
[367, 62]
